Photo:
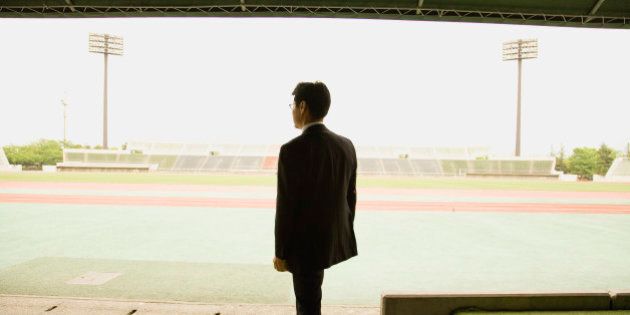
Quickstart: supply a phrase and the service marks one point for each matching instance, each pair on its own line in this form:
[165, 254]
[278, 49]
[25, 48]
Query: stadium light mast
[519, 50]
[107, 45]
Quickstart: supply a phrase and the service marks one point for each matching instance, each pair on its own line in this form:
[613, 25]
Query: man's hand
[280, 264]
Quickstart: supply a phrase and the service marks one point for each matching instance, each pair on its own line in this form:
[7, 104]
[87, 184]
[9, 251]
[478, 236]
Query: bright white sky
[211, 80]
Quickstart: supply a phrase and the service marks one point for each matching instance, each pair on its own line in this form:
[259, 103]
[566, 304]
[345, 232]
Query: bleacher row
[453, 167]
[272, 150]
[216, 161]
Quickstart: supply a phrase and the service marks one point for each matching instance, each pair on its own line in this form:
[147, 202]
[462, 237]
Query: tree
[23, 155]
[583, 162]
[605, 158]
[42, 152]
[561, 162]
[36, 154]
[48, 152]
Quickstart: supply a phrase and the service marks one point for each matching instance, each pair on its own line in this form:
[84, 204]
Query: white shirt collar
[312, 124]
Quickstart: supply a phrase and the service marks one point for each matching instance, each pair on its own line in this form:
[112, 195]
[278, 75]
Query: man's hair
[316, 96]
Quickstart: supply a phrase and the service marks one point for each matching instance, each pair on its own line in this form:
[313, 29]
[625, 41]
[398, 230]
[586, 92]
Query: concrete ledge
[447, 304]
[621, 300]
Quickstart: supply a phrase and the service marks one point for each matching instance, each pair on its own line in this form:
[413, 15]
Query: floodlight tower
[107, 45]
[519, 50]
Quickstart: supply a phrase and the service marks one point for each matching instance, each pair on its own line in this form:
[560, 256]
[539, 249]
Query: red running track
[362, 205]
[491, 193]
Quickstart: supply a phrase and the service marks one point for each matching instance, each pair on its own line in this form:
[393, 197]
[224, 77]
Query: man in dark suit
[316, 198]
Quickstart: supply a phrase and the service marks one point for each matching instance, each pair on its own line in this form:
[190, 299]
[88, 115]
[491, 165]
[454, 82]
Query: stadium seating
[372, 160]
[390, 152]
[248, 163]
[405, 167]
[427, 167]
[105, 167]
[211, 163]
[370, 166]
[225, 163]
[189, 163]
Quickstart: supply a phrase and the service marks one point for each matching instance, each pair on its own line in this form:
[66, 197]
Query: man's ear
[302, 106]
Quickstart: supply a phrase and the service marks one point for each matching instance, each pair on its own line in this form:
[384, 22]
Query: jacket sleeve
[352, 189]
[285, 204]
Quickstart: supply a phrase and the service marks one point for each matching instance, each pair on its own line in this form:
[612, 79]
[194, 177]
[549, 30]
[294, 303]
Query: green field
[363, 181]
[222, 254]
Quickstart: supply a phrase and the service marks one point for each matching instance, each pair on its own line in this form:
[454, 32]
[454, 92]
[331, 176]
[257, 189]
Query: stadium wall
[4, 163]
[619, 171]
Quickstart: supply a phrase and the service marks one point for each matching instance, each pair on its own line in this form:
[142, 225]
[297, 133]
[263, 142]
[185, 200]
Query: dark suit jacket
[316, 200]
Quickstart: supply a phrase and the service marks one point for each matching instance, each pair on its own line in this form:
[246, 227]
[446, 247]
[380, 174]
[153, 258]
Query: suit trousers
[307, 286]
